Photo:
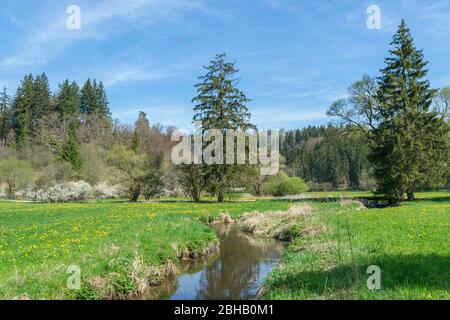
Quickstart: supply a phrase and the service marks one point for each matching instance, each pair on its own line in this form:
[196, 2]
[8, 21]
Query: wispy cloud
[45, 39]
[173, 114]
[127, 73]
[285, 5]
[266, 117]
[437, 18]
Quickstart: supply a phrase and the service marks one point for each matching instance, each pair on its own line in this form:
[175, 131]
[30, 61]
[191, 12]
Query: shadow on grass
[427, 272]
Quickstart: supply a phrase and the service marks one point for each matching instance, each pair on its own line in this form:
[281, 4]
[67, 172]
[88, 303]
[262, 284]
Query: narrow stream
[236, 272]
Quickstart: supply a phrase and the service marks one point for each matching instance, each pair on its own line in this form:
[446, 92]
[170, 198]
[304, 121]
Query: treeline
[394, 138]
[49, 139]
[36, 116]
[328, 157]
[65, 146]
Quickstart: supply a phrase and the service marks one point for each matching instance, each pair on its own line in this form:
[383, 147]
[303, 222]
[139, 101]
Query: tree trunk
[195, 195]
[221, 195]
[11, 186]
[411, 196]
[195, 185]
[135, 193]
[220, 185]
[257, 189]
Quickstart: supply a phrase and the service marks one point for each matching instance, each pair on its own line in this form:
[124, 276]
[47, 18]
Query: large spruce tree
[94, 100]
[411, 142]
[102, 103]
[88, 103]
[33, 102]
[22, 111]
[68, 103]
[220, 105]
[42, 102]
[95, 114]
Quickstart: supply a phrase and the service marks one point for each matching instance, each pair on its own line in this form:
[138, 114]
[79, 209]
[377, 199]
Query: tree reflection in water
[236, 273]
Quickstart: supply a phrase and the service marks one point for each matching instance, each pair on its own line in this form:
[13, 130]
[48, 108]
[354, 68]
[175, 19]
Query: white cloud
[174, 114]
[127, 73]
[295, 7]
[437, 19]
[267, 116]
[45, 40]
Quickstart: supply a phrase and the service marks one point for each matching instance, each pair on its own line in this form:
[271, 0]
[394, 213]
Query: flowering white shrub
[2, 190]
[106, 191]
[24, 194]
[70, 191]
[177, 192]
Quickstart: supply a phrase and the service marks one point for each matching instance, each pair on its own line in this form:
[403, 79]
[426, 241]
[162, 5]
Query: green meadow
[111, 242]
[410, 244]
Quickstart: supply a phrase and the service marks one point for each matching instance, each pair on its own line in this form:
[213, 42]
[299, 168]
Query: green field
[111, 242]
[39, 241]
[410, 244]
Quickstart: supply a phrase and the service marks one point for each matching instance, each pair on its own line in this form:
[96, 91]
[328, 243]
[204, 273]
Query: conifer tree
[42, 102]
[411, 144]
[219, 104]
[5, 116]
[22, 111]
[102, 104]
[68, 102]
[88, 103]
[409, 140]
[141, 134]
[71, 149]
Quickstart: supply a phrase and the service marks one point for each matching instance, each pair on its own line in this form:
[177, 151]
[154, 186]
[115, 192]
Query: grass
[411, 245]
[120, 246]
[282, 225]
[110, 242]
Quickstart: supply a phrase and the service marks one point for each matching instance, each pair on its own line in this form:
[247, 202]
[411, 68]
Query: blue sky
[295, 56]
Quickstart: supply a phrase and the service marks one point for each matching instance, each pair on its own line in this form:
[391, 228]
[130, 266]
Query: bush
[367, 182]
[94, 169]
[54, 173]
[16, 175]
[315, 186]
[283, 185]
[176, 192]
[106, 191]
[325, 186]
[70, 191]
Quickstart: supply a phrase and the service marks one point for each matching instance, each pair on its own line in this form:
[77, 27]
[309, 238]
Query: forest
[69, 139]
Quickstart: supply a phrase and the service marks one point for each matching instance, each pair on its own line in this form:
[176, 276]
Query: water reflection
[236, 273]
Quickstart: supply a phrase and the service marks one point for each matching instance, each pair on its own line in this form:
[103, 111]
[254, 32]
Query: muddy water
[236, 272]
